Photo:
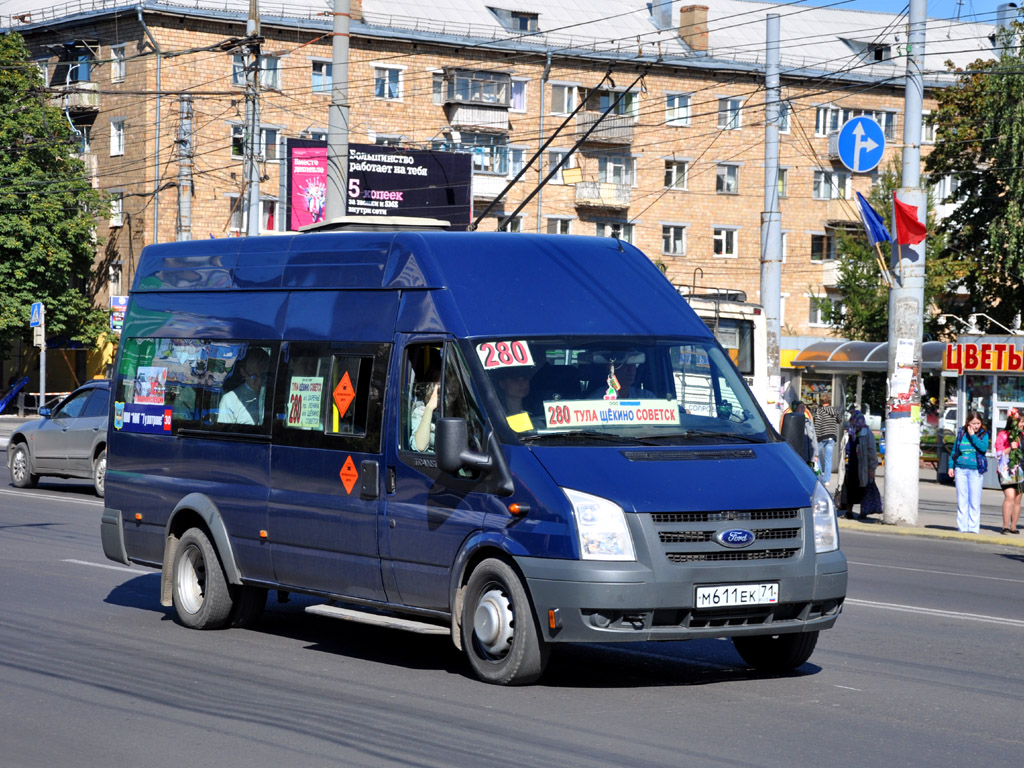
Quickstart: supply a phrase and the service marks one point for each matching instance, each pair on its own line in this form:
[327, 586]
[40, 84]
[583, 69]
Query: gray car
[70, 441]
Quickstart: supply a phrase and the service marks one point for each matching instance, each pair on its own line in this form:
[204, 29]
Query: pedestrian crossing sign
[37, 315]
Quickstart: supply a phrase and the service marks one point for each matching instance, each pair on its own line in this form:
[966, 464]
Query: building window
[117, 63]
[489, 150]
[554, 156]
[387, 83]
[602, 100]
[518, 101]
[724, 242]
[516, 159]
[623, 231]
[879, 53]
[677, 109]
[785, 111]
[270, 72]
[559, 226]
[676, 173]
[727, 179]
[783, 182]
[323, 76]
[616, 169]
[524, 22]
[822, 309]
[437, 85]
[238, 217]
[944, 190]
[673, 240]
[79, 60]
[116, 137]
[831, 185]
[238, 69]
[269, 142]
[830, 119]
[476, 87]
[823, 247]
[729, 114]
[115, 280]
[928, 128]
[888, 122]
[44, 70]
[116, 208]
[83, 132]
[515, 224]
[563, 99]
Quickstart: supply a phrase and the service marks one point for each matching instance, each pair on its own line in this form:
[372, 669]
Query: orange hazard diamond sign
[344, 394]
[349, 474]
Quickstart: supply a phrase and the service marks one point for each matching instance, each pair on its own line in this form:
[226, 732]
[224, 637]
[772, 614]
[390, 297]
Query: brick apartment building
[678, 169]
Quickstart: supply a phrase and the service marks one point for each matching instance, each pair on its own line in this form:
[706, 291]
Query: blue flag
[874, 225]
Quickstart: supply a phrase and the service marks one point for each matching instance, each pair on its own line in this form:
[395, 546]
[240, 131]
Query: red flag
[909, 231]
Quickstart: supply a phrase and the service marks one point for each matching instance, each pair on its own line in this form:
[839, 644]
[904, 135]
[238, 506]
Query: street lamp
[973, 319]
[969, 327]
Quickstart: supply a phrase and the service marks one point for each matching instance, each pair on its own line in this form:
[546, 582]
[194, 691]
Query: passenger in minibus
[244, 404]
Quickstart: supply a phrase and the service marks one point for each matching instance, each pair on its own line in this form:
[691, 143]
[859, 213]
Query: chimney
[355, 10]
[693, 27]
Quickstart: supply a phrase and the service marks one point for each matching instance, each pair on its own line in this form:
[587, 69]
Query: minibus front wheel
[499, 631]
[201, 594]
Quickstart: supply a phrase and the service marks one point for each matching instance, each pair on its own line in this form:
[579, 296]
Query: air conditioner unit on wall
[833, 145]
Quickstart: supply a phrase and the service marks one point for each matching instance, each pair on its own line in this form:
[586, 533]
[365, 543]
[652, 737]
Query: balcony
[476, 116]
[486, 186]
[80, 97]
[601, 194]
[614, 129]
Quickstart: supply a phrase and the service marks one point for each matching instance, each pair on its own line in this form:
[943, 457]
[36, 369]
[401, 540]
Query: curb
[878, 527]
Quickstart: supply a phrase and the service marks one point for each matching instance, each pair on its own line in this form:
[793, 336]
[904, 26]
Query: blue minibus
[520, 440]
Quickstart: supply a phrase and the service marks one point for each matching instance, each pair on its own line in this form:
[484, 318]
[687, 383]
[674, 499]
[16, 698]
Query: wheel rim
[191, 580]
[493, 623]
[101, 473]
[19, 467]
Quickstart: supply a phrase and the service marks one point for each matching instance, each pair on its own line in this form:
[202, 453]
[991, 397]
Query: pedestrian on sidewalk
[826, 427]
[861, 462]
[1009, 453]
[967, 464]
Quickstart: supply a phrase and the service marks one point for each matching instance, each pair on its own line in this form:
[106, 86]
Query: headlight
[826, 532]
[601, 527]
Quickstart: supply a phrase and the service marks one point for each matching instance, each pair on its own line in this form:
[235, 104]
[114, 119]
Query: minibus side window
[331, 395]
[421, 396]
[458, 399]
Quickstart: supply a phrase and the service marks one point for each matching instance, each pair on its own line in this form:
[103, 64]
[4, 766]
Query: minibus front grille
[691, 455]
[732, 556]
[661, 518]
[697, 537]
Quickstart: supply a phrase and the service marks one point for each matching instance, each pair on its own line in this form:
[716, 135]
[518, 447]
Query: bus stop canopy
[861, 357]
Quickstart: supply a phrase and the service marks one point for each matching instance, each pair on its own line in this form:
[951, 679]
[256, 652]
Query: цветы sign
[982, 357]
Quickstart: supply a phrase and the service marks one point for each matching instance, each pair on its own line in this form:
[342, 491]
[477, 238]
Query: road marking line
[43, 495]
[848, 688]
[937, 612]
[103, 565]
[938, 573]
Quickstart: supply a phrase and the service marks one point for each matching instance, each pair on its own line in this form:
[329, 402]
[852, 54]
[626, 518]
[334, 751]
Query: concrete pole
[771, 221]
[42, 361]
[337, 125]
[906, 306]
[252, 119]
[185, 169]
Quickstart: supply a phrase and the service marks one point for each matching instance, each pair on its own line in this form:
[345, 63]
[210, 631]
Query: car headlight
[601, 527]
[826, 531]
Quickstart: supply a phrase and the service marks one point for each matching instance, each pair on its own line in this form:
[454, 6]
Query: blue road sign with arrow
[861, 144]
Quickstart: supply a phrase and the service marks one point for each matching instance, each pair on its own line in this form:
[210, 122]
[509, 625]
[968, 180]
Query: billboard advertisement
[382, 181]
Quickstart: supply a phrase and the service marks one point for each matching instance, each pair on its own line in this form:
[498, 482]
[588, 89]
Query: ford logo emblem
[735, 537]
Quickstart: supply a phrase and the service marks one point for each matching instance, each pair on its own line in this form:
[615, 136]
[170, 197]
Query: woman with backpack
[967, 464]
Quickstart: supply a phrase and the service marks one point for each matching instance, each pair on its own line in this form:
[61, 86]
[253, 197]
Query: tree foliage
[48, 210]
[980, 143]
[864, 315]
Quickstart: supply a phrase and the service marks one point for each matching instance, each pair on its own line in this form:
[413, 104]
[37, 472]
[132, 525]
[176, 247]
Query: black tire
[99, 473]
[21, 474]
[200, 590]
[776, 653]
[248, 607]
[499, 631]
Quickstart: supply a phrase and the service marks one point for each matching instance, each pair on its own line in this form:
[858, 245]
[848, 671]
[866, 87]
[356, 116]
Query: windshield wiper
[586, 434]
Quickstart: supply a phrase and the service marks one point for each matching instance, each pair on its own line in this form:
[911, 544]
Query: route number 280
[502, 354]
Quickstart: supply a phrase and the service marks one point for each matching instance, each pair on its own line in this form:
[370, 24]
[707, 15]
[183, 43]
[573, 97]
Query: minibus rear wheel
[499, 631]
[200, 590]
[776, 653]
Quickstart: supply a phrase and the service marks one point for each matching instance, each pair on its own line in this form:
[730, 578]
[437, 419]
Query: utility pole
[906, 305]
[185, 154]
[252, 118]
[337, 124]
[771, 218]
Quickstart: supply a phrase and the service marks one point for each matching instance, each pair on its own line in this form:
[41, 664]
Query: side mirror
[45, 412]
[451, 444]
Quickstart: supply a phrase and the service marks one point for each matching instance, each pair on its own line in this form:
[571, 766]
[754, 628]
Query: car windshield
[610, 389]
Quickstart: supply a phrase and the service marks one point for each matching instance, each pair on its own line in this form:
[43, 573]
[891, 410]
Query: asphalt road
[923, 668]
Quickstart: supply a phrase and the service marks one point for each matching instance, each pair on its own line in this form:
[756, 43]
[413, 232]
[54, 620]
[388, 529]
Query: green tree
[48, 210]
[980, 143]
[864, 315]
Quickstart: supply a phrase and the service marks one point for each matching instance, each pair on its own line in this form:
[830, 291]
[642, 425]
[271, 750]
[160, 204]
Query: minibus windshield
[652, 391]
